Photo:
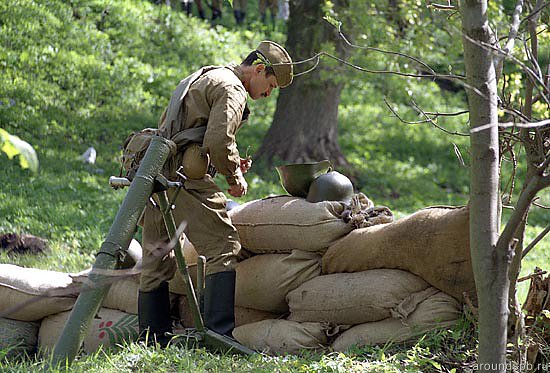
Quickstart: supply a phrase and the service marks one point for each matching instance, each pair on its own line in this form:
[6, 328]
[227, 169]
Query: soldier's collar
[236, 69]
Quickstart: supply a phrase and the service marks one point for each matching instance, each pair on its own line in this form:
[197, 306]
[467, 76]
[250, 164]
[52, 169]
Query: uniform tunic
[217, 100]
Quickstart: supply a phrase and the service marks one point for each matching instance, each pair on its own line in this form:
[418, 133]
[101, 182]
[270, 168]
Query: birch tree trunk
[490, 266]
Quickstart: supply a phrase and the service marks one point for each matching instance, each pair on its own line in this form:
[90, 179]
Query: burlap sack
[354, 298]
[109, 328]
[176, 284]
[18, 337]
[438, 311]
[30, 294]
[280, 224]
[282, 336]
[123, 295]
[432, 243]
[242, 315]
[263, 281]
[245, 316]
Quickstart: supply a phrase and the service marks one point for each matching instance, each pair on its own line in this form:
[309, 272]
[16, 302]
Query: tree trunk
[305, 124]
[490, 266]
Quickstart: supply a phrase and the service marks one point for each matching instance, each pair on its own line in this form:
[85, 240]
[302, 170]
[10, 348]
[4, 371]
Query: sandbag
[280, 224]
[263, 281]
[18, 337]
[245, 315]
[123, 295]
[282, 336]
[242, 315]
[356, 298]
[183, 310]
[438, 311]
[109, 328]
[176, 284]
[432, 243]
[30, 294]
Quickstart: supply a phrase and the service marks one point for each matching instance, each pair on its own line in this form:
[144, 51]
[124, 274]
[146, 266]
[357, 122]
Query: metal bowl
[297, 177]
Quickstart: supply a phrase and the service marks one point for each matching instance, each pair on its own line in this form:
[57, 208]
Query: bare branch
[537, 182]
[427, 120]
[432, 121]
[512, 179]
[529, 71]
[537, 273]
[511, 36]
[535, 13]
[541, 206]
[512, 124]
[381, 50]
[459, 155]
[438, 114]
[347, 63]
[446, 7]
[535, 241]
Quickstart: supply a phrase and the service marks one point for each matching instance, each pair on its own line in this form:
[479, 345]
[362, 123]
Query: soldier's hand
[246, 163]
[238, 189]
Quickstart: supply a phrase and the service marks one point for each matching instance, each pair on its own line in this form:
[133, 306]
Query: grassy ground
[446, 350]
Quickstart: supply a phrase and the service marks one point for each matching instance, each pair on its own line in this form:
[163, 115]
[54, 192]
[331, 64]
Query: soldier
[216, 9]
[268, 4]
[239, 11]
[212, 100]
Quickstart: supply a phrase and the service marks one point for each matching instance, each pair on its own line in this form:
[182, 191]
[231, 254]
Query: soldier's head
[266, 68]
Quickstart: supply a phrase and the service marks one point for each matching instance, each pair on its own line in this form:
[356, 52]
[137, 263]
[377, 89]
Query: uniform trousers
[202, 206]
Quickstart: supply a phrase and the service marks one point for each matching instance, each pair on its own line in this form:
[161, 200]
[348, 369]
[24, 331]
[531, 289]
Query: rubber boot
[154, 315]
[216, 13]
[237, 14]
[188, 8]
[201, 14]
[219, 302]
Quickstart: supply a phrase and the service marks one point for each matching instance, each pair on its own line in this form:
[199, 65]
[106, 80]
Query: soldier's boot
[201, 14]
[154, 315]
[216, 13]
[237, 14]
[219, 302]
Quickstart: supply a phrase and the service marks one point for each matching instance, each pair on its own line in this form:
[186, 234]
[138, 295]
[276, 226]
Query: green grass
[72, 81]
[437, 351]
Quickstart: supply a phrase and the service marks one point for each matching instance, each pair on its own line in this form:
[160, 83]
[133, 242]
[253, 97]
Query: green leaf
[13, 145]
[230, 3]
[333, 21]
[436, 364]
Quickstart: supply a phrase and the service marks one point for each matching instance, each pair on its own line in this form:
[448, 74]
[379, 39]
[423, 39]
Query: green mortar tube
[112, 250]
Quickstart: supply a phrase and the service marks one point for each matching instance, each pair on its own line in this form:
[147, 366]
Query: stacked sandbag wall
[35, 305]
[340, 310]
[389, 282]
[433, 243]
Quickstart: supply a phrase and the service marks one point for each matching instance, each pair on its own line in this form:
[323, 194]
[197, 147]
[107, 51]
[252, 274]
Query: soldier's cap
[277, 58]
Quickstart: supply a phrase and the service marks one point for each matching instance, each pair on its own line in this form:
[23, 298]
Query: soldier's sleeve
[227, 109]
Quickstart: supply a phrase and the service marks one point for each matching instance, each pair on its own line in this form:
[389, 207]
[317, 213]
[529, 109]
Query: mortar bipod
[205, 336]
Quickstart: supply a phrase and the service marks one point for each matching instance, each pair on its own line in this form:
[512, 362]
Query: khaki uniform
[268, 4]
[217, 100]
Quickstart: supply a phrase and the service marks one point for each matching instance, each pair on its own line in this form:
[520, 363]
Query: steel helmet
[332, 186]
